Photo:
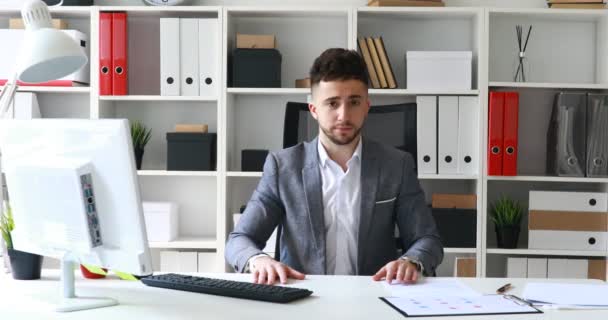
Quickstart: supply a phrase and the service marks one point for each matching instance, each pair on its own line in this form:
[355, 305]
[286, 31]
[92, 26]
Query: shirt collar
[323, 156]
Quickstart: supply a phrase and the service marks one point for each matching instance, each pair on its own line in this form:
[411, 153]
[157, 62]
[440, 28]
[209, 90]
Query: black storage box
[253, 160]
[256, 68]
[457, 227]
[191, 151]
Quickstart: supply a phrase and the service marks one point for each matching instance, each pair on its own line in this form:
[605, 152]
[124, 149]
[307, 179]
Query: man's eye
[333, 104]
[355, 102]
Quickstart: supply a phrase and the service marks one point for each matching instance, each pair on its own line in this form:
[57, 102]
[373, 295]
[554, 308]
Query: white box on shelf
[161, 220]
[517, 267]
[537, 267]
[438, 70]
[209, 262]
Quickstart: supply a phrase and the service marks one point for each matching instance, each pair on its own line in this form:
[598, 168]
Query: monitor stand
[70, 302]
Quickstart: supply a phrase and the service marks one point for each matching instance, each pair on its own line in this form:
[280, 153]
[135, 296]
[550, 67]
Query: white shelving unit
[567, 51]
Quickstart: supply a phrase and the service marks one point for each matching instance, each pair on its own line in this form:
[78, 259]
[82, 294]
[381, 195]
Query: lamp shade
[47, 54]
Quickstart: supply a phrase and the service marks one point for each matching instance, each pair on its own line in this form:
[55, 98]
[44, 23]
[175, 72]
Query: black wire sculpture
[520, 74]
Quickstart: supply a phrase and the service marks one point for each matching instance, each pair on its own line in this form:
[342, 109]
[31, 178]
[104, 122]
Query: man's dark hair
[338, 64]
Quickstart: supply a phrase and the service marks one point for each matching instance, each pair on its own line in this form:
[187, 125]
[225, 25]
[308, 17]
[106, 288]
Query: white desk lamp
[46, 54]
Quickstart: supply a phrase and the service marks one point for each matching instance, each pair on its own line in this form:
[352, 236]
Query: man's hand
[400, 270]
[266, 270]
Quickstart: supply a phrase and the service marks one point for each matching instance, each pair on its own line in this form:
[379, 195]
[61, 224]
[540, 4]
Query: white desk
[334, 297]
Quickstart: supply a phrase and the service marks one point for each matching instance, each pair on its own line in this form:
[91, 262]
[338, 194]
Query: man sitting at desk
[338, 196]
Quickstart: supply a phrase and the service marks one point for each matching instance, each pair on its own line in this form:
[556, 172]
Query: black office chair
[401, 118]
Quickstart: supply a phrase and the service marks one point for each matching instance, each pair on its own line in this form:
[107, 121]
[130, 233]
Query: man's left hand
[400, 270]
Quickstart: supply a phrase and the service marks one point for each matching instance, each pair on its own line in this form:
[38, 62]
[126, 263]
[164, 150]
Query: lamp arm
[7, 95]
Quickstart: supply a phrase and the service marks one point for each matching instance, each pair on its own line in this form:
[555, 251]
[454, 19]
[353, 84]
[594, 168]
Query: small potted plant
[507, 214]
[24, 265]
[140, 136]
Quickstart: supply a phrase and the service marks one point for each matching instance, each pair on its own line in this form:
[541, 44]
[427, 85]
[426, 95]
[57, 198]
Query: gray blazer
[290, 192]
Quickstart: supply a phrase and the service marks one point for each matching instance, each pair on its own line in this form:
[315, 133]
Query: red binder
[495, 133]
[105, 53]
[119, 54]
[511, 115]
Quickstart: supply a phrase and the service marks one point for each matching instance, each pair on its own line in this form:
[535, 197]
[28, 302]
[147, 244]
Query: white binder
[569, 201]
[426, 126]
[557, 268]
[169, 57]
[208, 262]
[517, 267]
[24, 107]
[578, 268]
[567, 240]
[537, 267]
[169, 261]
[188, 57]
[188, 261]
[468, 133]
[448, 135]
[209, 62]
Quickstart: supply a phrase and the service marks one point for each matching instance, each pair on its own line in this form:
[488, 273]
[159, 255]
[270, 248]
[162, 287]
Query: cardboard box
[200, 128]
[303, 83]
[459, 201]
[255, 41]
[17, 23]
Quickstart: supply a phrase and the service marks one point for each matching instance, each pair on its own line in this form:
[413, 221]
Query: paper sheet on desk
[582, 295]
[431, 287]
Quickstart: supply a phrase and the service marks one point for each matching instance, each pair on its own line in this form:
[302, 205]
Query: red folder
[511, 115]
[119, 54]
[495, 133]
[105, 53]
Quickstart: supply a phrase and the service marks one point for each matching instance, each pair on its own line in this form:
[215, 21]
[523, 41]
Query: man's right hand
[266, 270]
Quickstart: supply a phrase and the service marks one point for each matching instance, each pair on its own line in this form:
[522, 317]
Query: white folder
[517, 267]
[577, 268]
[188, 261]
[208, 44]
[448, 135]
[169, 57]
[169, 261]
[567, 240]
[24, 107]
[468, 133]
[569, 201]
[557, 268]
[208, 262]
[537, 267]
[188, 57]
[426, 126]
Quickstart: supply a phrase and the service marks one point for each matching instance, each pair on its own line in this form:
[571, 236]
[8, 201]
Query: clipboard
[433, 306]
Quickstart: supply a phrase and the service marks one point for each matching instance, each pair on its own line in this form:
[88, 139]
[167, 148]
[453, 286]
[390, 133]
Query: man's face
[340, 107]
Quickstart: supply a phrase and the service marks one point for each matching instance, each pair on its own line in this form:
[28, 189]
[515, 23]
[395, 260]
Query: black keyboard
[228, 288]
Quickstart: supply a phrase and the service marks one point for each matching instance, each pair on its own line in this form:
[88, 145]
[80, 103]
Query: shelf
[45, 89]
[547, 85]
[269, 91]
[552, 14]
[547, 179]
[459, 250]
[445, 177]
[408, 92]
[244, 174]
[538, 252]
[56, 12]
[165, 173]
[187, 243]
[157, 98]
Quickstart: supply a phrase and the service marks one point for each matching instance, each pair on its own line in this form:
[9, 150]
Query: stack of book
[577, 4]
[405, 3]
[378, 65]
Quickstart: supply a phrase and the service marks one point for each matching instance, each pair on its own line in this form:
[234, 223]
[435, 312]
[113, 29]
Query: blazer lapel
[313, 191]
[369, 183]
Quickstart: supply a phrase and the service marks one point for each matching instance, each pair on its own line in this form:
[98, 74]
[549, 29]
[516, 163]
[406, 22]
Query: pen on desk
[504, 288]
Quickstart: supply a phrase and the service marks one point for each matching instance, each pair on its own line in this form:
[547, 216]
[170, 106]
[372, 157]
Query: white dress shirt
[342, 210]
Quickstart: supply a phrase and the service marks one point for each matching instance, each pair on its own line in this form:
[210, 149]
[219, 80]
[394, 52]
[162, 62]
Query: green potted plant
[140, 135]
[24, 265]
[507, 215]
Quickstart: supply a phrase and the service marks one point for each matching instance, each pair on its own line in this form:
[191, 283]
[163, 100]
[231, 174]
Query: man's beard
[341, 140]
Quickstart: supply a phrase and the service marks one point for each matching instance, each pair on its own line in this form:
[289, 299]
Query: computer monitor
[393, 124]
[73, 188]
